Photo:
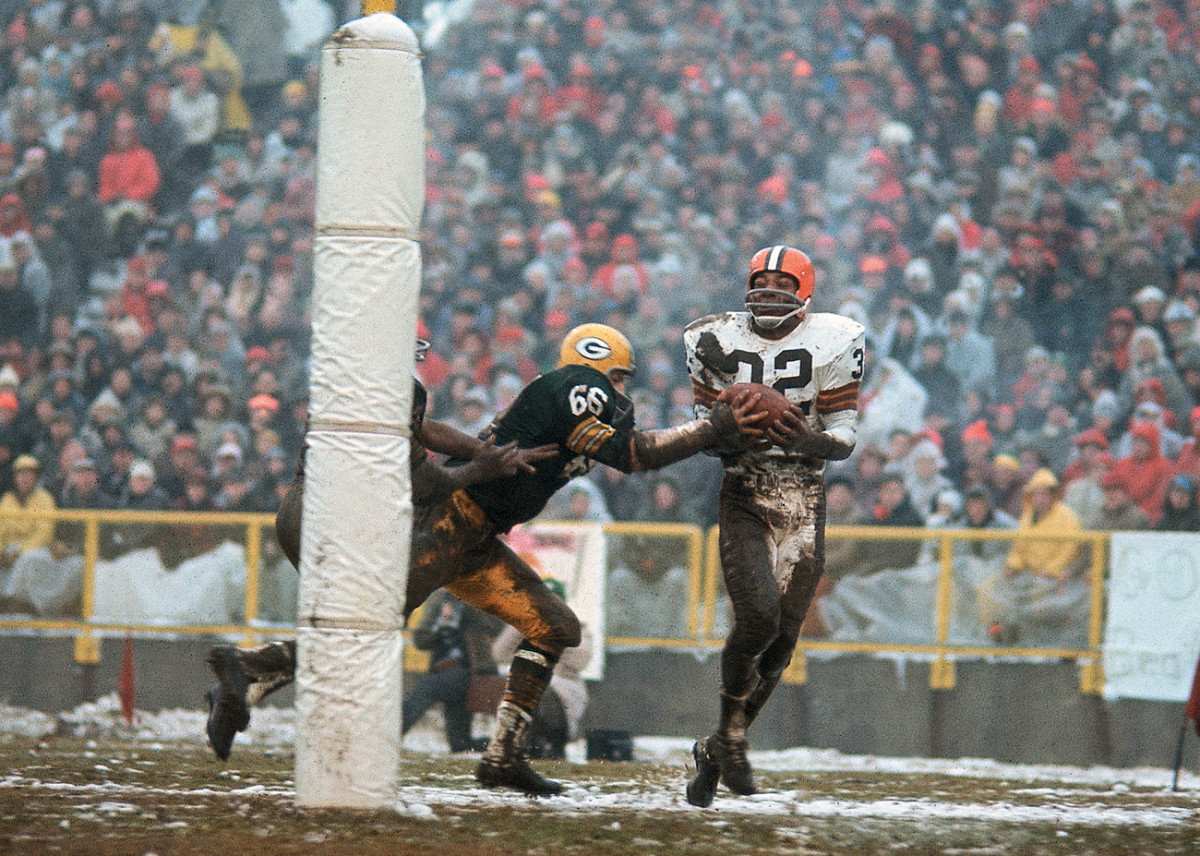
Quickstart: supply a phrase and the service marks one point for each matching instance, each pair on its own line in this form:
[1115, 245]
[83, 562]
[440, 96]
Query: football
[770, 400]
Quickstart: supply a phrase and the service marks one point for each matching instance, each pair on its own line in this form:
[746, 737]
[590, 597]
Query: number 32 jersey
[577, 408]
[818, 366]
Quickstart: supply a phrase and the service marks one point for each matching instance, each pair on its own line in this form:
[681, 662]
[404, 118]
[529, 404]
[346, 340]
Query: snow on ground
[275, 727]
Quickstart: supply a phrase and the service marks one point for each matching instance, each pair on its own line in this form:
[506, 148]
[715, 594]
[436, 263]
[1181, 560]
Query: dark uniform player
[245, 677]
[772, 501]
[582, 409]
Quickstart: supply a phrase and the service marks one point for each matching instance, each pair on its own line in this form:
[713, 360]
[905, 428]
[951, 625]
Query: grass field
[106, 789]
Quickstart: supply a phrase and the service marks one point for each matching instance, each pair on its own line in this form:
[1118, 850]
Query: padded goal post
[357, 517]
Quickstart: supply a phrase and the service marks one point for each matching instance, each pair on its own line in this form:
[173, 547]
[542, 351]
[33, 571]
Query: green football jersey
[576, 407]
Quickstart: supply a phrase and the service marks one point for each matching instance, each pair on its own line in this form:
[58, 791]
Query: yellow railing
[85, 627]
[705, 593]
[942, 674]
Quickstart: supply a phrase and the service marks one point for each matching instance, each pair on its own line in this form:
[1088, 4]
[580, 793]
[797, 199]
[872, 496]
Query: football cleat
[519, 776]
[703, 787]
[735, 767]
[227, 710]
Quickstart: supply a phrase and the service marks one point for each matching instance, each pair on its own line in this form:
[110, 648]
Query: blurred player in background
[581, 410]
[772, 501]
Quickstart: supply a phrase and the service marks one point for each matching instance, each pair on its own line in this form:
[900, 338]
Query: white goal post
[357, 517]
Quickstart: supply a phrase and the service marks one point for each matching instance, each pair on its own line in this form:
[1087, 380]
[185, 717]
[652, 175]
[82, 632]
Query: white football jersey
[818, 366]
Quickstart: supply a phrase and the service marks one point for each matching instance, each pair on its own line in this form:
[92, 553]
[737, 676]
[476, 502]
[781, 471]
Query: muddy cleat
[227, 710]
[703, 787]
[519, 776]
[735, 767]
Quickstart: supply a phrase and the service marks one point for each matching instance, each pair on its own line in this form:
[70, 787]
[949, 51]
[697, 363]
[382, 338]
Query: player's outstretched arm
[725, 424]
[499, 461]
[493, 462]
[447, 440]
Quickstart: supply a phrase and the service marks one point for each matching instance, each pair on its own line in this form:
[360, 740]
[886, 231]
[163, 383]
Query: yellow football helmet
[598, 346]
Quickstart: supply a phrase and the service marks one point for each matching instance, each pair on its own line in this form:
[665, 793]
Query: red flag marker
[1192, 709]
[125, 685]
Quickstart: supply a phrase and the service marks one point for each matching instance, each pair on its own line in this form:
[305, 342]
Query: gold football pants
[455, 545]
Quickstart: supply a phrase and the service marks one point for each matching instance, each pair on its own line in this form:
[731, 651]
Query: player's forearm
[448, 440]
[835, 442]
[650, 450]
[828, 447]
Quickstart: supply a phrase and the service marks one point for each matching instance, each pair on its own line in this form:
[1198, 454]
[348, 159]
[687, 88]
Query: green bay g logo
[593, 348]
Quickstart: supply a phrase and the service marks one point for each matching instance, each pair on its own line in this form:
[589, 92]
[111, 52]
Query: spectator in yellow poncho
[180, 44]
[20, 534]
[1039, 597]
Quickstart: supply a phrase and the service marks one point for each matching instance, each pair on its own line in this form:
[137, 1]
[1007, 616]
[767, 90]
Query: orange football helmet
[795, 264]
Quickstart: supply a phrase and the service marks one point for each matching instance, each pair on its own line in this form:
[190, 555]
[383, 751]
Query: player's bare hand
[749, 419]
[789, 431]
[792, 432]
[736, 424]
[493, 462]
[526, 458]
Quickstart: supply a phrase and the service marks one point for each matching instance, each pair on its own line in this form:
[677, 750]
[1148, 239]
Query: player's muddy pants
[772, 544]
[454, 545]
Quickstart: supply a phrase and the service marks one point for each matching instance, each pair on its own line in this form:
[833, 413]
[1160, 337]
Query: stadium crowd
[1007, 195]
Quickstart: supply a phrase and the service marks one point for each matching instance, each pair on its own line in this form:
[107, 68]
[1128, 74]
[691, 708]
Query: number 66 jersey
[818, 366]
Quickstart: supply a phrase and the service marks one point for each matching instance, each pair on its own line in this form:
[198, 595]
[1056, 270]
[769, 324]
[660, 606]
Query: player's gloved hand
[793, 433]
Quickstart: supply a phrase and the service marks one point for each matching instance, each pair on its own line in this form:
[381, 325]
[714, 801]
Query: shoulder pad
[715, 320]
[837, 327]
[577, 374]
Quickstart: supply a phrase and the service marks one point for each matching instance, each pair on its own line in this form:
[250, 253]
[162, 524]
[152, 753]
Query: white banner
[1153, 629]
[574, 554]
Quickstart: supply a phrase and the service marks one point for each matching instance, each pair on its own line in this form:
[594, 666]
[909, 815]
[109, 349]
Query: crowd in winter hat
[1018, 185]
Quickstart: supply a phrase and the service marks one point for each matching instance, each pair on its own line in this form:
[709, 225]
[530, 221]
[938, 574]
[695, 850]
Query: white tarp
[138, 588]
[1153, 627]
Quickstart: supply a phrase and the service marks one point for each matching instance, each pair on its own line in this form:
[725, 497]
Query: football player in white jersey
[772, 505]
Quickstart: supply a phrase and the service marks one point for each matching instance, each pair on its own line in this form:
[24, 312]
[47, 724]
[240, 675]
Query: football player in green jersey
[245, 677]
[581, 409]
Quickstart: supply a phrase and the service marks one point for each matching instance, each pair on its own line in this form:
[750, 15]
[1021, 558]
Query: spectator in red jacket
[13, 220]
[1145, 471]
[624, 252]
[129, 181]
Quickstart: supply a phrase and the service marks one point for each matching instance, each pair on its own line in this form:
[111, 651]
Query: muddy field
[88, 784]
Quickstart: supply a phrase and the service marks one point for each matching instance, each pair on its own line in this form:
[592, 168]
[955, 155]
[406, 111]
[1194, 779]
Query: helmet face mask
[772, 307]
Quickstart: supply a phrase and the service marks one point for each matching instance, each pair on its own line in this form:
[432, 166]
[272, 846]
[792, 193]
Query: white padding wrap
[356, 531]
[372, 119]
[364, 326]
[357, 516]
[349, 711]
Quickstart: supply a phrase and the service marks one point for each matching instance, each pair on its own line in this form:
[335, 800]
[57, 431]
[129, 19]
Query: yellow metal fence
[706, 613]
